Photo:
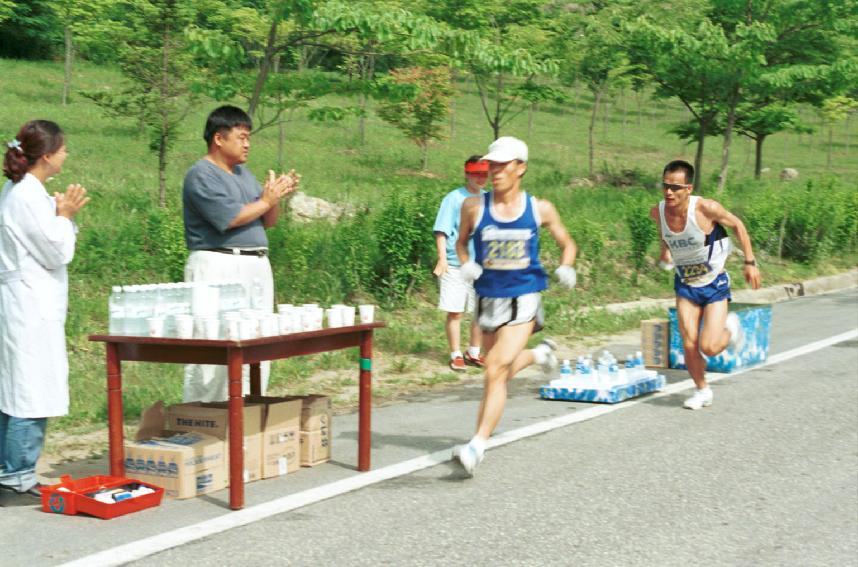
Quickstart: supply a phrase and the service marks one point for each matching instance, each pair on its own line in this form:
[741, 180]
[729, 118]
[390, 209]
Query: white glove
[471, 271]
[567, 276]
[667, 266]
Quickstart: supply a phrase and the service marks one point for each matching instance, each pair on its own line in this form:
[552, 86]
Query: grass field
[125, 239]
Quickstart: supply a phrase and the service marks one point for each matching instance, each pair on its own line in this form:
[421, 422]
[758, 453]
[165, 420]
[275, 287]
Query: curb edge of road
[772, 294]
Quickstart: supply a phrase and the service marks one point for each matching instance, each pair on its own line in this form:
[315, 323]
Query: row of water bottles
[604, 373]
[131, 306]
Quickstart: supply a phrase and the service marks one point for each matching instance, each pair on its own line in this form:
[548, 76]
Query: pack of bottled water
[132, 309]
[605, 373]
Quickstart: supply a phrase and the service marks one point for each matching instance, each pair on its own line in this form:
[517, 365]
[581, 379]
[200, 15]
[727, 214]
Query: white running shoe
[737, 335]
[549, 363]
[469, 457]
[700, 399]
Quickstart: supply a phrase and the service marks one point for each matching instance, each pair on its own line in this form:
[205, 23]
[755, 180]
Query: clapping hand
[72, 201]
[277, 187]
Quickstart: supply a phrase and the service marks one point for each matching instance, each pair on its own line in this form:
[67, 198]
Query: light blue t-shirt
[447, 221]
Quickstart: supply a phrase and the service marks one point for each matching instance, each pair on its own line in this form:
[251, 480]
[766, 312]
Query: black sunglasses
[675, 186]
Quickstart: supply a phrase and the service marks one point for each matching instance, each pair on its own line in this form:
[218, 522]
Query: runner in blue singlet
[508, 279]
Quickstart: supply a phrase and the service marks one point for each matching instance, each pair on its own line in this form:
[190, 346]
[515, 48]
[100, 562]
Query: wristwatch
[751, 262]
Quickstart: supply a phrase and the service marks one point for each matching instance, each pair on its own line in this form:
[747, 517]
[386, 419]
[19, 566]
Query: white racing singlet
[698, 257]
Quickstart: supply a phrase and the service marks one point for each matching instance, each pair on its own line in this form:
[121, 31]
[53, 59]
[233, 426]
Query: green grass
[125, 239]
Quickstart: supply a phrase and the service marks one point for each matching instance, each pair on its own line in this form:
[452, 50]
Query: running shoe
[478, 361]
[458, 364]
[549, 347]
[468, 457]
[737, 334]
[700, 399]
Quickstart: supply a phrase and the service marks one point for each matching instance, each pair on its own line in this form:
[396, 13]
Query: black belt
[239, 251]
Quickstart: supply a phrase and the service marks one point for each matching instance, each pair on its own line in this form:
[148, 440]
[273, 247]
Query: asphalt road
[766, 476]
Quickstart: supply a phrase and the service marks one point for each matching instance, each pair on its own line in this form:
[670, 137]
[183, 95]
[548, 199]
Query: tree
[809, 55]
[595, 57]
[692, 65]
[154, 59]
[75, 17]
[833, 110]
[420, 106]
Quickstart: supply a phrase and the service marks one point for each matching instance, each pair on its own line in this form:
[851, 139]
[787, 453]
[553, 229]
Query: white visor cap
[506, 148]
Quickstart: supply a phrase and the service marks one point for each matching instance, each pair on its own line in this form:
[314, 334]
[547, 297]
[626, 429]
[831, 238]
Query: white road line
[174, 538]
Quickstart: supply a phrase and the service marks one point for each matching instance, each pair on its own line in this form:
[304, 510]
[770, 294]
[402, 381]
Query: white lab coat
[35, 246]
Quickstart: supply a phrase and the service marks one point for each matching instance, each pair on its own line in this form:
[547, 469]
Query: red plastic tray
[74, 499]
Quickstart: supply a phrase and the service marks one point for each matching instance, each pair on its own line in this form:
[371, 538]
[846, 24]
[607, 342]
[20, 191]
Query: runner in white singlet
[695, 244]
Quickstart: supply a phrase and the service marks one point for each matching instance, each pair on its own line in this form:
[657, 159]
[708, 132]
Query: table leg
[115, 420]
[236, 431]
[255, 380]
[365, 402]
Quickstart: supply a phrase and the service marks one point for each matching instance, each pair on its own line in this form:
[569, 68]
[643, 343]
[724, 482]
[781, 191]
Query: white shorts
[496, 312]
[457, 296]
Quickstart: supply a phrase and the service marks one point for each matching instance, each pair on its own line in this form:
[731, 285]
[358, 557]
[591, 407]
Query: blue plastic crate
[756, 321]
[607, 396]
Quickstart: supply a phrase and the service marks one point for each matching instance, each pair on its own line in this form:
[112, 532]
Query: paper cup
[211, 328]
[334, 317]
[367, 313]
[348, 315]
[184, 326]
[269, 325]
[284, 322]
[247, 329]
[156, 326]
[232, 328]
[284, 307]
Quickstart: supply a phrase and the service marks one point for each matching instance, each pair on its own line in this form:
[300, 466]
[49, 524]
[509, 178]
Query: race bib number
[694, 272]
[506, 249]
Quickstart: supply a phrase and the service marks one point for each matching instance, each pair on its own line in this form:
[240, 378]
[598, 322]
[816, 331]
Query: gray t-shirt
[212, 198]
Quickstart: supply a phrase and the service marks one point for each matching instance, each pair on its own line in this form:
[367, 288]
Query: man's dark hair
[680, 165]
[223, 119]
[473, 159]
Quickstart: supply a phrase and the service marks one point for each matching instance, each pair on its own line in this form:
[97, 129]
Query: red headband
[477, 167]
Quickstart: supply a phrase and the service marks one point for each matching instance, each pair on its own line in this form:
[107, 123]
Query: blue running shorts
[713, 292]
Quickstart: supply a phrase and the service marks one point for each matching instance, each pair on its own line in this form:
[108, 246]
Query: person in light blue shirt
[457, 296]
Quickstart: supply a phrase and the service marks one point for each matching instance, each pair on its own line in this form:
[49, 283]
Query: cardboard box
[184, 464]
[655, 342]
[315, 411]
[212, 418]
[281, 420]
[315, 447]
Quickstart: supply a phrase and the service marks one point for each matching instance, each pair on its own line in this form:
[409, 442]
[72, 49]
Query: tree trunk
[452, 104]
[498, 94]
[698, 158]
[590, 141]
[265, 65]
[367, 72]
[758, 160]
[530, 114]
[281, 131]
[162, 169]
[165, 119]
[725, 149]
[69, 59]
[424, 156]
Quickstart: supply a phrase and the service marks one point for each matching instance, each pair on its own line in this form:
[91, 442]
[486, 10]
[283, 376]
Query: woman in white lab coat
[37, 240]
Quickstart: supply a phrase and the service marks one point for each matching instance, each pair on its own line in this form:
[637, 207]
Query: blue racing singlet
[508, 251]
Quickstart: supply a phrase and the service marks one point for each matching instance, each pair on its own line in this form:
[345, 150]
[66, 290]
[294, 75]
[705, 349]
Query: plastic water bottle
[566, 370]
[257, 294]
[116, 311]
